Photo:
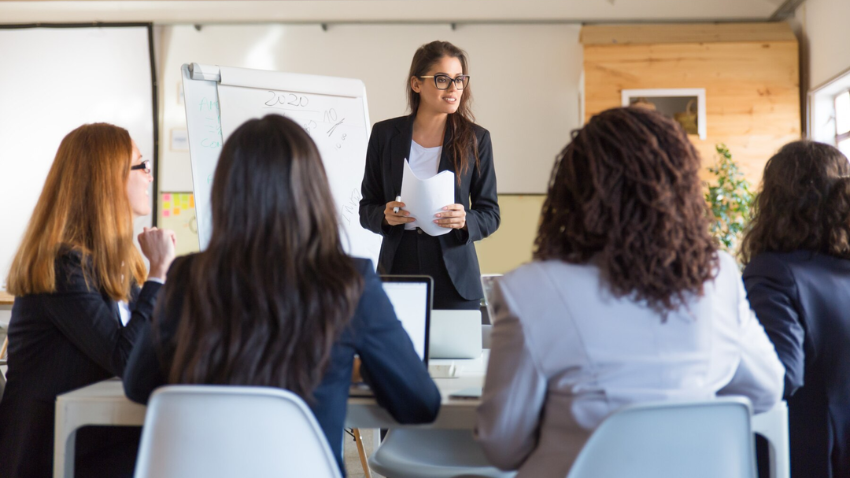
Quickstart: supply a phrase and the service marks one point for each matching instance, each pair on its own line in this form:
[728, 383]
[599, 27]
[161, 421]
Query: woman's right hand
[158, 246]
[396, 218]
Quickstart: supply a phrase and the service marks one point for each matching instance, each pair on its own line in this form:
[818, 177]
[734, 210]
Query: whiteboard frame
[154, 96]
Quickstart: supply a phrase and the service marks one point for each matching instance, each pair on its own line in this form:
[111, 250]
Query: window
[842, 122]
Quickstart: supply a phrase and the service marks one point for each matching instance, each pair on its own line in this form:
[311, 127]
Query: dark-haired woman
[797, 251]
[627, 300]
[439, 135]
[274, 300]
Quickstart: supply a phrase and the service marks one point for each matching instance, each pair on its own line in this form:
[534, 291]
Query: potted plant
[729, 198]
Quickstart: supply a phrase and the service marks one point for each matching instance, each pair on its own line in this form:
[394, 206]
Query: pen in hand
[395, 209]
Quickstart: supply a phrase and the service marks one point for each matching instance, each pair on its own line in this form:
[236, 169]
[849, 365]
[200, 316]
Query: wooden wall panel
[752, 90]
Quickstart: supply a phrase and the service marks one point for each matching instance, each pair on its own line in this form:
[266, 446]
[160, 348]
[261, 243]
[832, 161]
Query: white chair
[701, 439]
[228, 431]
[432, 453]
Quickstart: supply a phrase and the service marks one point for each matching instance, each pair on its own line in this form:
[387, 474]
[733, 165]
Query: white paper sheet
[426, 197]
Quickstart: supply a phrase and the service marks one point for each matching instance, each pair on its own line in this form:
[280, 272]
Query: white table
[104, 403]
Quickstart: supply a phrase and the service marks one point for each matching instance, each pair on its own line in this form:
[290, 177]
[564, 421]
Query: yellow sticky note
[166, 205]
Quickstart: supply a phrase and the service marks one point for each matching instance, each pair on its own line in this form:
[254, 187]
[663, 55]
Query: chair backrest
[227, 431]
[696, 439]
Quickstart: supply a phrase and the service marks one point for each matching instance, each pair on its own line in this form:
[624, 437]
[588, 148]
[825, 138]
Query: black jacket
[388, 146]
[802, 299]
[57, 343]
[399, 378]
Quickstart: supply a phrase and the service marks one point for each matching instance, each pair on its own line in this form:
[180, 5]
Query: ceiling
[366, 11]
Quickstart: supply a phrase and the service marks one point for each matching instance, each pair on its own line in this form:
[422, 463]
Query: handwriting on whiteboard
[212, 123]
[295, 105]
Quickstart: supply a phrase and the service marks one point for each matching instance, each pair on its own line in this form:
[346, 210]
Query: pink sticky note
[166, 197]
[166, 213]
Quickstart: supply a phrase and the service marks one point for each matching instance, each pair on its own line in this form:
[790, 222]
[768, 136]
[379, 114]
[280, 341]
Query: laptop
[411, 297]
[455, 334]
[488, 283]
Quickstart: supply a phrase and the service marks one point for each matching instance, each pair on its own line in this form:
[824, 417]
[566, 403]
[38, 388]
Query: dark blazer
[399, 378]
[388, 146]
[802, 299]
[57, 343]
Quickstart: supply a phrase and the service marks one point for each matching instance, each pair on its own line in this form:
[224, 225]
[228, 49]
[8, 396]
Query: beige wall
[752, 86]
[826, 38]
[512, 244]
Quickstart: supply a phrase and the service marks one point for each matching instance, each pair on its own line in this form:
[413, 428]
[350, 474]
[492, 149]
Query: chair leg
[359, 441]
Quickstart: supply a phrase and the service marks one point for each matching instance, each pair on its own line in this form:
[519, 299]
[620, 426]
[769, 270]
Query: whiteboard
[332, 110]
[53, 80]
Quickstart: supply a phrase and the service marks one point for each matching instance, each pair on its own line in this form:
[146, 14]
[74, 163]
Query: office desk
[104, 403]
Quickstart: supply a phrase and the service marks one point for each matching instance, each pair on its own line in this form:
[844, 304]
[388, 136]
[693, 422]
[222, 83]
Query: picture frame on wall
[685, 105]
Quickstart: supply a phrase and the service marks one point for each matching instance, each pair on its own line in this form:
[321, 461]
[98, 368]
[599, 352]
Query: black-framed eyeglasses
[442, 82]
[144, 165]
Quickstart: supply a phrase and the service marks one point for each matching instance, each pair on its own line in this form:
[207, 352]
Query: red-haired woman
[78, 305]
[439, 135]
[627, 300]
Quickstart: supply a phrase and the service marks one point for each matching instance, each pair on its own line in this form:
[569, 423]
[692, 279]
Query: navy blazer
[57, 343]
[389, 145]
[399, 378]
[802, 299]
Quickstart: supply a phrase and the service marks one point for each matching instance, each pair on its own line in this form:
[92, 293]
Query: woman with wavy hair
[440, 134]
[628, 300]
[78, 306]
[797, 251]
[274, 300]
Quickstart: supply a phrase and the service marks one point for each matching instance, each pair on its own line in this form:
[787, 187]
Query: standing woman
[439, 135]
[78, 306]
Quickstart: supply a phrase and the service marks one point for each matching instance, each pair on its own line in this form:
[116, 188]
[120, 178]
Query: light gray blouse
[566, 354]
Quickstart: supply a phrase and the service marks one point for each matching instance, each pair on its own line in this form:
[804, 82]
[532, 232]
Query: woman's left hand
[452, 216]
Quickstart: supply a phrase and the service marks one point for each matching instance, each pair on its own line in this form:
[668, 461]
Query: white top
[124, 312]
[564, 345]
[424, 162]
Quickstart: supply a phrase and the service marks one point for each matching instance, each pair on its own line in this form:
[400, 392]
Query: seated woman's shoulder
[364, 266]
[543, 272]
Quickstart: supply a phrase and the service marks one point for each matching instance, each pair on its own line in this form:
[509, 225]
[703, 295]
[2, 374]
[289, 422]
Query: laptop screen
[411, 299]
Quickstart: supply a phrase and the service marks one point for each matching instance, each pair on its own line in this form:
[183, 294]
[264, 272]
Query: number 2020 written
[290, 99]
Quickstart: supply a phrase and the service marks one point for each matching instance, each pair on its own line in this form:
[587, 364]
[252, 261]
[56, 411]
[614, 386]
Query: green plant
[729, 198]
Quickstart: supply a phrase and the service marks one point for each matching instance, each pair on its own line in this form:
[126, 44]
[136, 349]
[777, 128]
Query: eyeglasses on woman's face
[144, 165]
[442, 81]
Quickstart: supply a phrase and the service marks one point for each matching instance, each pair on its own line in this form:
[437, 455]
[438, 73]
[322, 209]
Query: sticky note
[176, 211]
[166, 197]
[191, 200]
[166, 205]
[166, 213]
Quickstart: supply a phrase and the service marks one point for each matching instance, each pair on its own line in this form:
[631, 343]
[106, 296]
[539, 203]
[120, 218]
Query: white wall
[525, 80]
[826, 45]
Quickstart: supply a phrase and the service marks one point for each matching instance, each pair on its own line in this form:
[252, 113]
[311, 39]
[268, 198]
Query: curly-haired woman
[797, 251]
[628, 300]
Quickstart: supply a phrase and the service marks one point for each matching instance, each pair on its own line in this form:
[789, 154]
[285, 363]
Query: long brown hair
[801, 204]
[271, 293]
[463, 145]
[626, 192]
[83, 206]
